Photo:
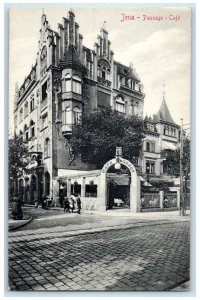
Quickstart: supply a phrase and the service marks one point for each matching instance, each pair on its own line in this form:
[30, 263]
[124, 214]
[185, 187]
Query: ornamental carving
[56, 84]
[38, 93]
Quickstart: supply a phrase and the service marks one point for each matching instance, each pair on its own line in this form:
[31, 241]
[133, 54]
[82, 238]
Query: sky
[159, 50]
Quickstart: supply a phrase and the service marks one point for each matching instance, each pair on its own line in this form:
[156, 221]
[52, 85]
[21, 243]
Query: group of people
[69, 204]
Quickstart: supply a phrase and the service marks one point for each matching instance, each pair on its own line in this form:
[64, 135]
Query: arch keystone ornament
[134, 184]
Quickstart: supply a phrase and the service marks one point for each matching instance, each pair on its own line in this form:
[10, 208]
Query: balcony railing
[104, 82]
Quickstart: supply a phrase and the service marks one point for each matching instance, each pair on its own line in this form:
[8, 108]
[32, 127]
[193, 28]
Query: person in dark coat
[17, 209]
[66, 204]
[78, 202]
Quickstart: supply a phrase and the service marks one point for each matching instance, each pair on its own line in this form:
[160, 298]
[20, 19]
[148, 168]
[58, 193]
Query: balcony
[104, 82]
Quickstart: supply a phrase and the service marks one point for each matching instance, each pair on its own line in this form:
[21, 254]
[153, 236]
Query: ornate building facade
[67, 80]
[162, 134]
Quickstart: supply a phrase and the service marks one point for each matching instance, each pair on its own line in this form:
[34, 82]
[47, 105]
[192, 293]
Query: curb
[10, 228]
[77, 232]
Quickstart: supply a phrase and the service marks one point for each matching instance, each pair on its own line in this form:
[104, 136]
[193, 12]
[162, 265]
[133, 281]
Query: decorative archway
[134, 185]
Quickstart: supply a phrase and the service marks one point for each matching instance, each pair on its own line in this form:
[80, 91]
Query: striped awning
[168, 146]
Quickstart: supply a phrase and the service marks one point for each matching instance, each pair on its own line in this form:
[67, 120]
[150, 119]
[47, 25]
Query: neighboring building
[67, 80]
[162, 133]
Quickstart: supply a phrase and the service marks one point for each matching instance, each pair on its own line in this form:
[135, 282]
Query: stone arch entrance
[118, 187]
[134, 184]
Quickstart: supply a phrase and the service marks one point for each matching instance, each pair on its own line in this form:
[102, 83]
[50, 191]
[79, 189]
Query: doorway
[118, 188]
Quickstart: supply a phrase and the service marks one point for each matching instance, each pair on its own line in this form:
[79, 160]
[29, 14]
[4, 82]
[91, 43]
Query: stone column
[55, 185]
[102, 192]
[179, 199]
[161, 194]
[135, 193]
[68, 187]
[83, 188]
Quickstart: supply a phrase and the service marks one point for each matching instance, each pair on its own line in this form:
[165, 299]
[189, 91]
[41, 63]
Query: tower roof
[163, 114]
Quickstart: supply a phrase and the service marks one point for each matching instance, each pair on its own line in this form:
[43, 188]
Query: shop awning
[168, 146]
[144, 182]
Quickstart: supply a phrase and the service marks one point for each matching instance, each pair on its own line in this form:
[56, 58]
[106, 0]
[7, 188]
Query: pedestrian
[165, 203]
[17, 209]
[78, 201]
[71, 203]
[66, 204]
[61, 198]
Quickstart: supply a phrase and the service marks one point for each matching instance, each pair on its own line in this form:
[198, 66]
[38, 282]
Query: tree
[95, 140]
[18, 157]
[172, 162]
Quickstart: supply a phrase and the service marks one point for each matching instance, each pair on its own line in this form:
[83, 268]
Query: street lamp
[118, 155]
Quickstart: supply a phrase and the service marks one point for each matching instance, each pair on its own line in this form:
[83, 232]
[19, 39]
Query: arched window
[43, 59]
[120, 104]
[47, 148]
[32, 127]
[47, 183]
[76, 115]
[103, 73]
[26, 132]
[67, 116]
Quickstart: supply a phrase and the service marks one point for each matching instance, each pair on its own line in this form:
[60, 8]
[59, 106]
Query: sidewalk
[92, 221]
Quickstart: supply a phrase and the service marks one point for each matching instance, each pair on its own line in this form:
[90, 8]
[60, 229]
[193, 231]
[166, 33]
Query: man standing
[78, 201]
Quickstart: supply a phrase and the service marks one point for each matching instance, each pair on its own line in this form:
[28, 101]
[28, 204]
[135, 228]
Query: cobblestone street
[146, 258]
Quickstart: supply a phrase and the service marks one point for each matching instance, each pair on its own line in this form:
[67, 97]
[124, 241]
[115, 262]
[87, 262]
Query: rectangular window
[91, 190]
[76, 117]
[148, 146]
[68, 86]
[25, 109]
[77, 87]
[33, 131]
[44, 91]
[44, 121]
[32, 105]
[150, 167]
[26, 135]
[152, 147]
[120, 107]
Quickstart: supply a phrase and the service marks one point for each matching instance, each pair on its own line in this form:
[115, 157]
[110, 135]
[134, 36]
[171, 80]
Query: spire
[163, 113]
[163, 90]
